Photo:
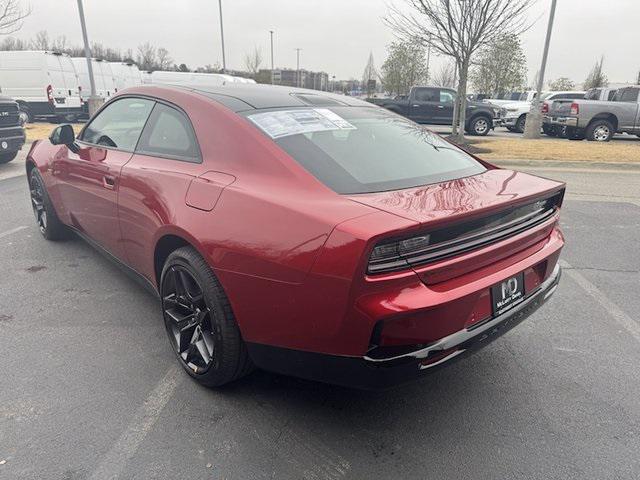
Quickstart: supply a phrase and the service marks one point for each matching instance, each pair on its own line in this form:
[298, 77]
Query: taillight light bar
[402, 254]
[575, 109]
[50, 94]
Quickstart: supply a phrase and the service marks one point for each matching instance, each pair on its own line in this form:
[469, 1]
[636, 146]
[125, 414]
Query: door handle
[440, 107]
[415, 106]
[109, 182]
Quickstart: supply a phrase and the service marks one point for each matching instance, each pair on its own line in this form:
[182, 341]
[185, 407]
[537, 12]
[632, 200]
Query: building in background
[294, 78]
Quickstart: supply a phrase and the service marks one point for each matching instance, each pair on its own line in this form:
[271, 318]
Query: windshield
[363, 150]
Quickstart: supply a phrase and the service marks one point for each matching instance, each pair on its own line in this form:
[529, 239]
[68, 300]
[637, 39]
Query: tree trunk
[461, 102]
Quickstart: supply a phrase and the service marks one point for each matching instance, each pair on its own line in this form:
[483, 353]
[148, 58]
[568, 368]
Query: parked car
[434, 105]
[44, 84]
[12, 135]
[547, 101]
[302, 232]
[513, 97]
[513, 116]
[598, 120]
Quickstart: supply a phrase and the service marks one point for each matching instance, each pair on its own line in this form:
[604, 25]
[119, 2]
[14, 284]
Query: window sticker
[282, 123]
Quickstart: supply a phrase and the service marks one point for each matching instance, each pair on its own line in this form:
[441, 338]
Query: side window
[119, 124]
[169, 134]
[629, 95]
[612, 95]
[426, 95]
[446, 96]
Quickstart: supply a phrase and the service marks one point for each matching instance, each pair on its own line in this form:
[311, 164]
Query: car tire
[600, 131]
[479, 126]
[24, 115]
[521, 123]
[549, 131]
[48, 222]
[7, 157]
[199, 321]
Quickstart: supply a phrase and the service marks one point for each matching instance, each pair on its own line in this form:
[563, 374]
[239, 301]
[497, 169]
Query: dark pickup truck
[434, 105]
[12, 135]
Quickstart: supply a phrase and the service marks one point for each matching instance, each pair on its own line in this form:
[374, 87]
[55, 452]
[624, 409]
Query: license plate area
[507, 294]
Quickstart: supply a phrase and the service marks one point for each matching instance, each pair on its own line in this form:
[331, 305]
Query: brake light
[50, 94]
[401, 254]
[575, 109]
[545, 107]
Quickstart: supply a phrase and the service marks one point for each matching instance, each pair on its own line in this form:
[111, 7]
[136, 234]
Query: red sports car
[301, 232]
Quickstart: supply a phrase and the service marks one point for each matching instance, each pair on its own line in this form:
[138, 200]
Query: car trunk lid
[471, 221]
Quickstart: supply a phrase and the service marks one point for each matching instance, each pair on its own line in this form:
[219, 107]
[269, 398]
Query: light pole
[224, 60]
[298, 67]
[534, 118]
[271, 33]
[94, 100]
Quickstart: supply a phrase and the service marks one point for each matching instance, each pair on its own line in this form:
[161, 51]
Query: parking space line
[143, 421]
[624, 320]
[12, 231]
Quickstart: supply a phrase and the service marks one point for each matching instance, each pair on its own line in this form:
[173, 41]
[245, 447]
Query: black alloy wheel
[188, 320]
[199, 320]
[48, 222]
[38, 203]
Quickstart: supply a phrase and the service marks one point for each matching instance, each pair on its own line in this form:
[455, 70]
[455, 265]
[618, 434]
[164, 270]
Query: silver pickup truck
[596, 120]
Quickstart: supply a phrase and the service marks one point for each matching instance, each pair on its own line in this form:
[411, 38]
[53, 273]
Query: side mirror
[64, 135]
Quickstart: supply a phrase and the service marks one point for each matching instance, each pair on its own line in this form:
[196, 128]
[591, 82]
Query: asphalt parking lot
[89, 388]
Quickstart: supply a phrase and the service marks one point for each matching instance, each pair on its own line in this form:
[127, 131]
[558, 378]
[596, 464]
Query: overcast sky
[336, 36]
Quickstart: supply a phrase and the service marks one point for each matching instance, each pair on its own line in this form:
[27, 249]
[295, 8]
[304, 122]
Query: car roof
[246, 96]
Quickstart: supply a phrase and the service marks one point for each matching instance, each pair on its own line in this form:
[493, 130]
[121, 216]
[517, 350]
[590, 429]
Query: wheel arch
[610, 117]
[168, 241]
[30, 165]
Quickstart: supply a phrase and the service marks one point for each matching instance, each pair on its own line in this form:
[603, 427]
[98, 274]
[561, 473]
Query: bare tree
[446, 76]
[596, 77]
[59, 44]
[458, 29]
[253, 60]
[370, 75]
[147, 59]
[128, 56]
[164, 59]
[11, 16]
[12, 43]
[41, 41]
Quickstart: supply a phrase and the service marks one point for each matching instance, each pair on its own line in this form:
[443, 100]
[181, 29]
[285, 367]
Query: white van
[126, 75]
[187, 78]
[43, 83]
[102, 74]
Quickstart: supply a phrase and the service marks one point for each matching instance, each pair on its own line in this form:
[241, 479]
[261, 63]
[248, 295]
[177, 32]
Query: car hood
[518, 105]
[447, 201]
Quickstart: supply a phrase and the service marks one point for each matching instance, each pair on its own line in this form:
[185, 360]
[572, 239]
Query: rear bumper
[372, 373]
[561, 121]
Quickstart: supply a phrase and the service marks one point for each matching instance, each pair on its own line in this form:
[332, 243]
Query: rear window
[363, 150]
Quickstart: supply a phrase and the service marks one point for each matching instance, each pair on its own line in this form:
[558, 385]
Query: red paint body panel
[290, 253]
